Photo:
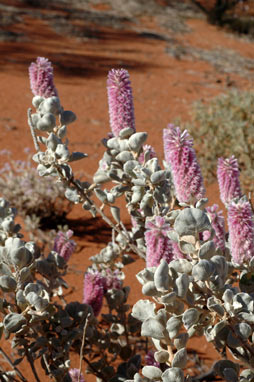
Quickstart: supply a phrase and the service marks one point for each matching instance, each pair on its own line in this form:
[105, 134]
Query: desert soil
[165, 51]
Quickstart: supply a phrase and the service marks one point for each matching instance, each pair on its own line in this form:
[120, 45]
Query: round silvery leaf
[137, 140]
[182, 285]
[202, 270]
[129, 166]
[37, 100]
[180, 341]
[100, 177]
[247, 375]
[72, 195]
[21, 300]
[33, 287]
[126, 132]
[143, 309]
[173, 326]
[190, 317]
[5, 270]
[244, 330]
[7, 283]
[168, 298]
[149, 289]
[232, 340]
[24, 274]
[207, 250]
[13, 322]
[228, 296]
[20, 256]
[180, 358]
[46, 123]
[221, 365]
[137, 376]
[153, 328]
[191, 221]
[151, 372]
[186, 248]
[62, 152]
[221, 265]
[50, 105]
[181, 265]
[146, 275]
[173, 374]
[113, 143]
[161, 276]
[158, 176]
[124, 156]
[161, 356]
[230, 375]
[67, 117]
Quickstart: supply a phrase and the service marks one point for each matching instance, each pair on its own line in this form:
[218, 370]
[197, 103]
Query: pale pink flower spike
[120, 101]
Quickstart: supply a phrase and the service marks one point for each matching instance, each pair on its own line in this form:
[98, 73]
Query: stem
[31, 362]
[32, 129]
[82, 346]
[7, 358]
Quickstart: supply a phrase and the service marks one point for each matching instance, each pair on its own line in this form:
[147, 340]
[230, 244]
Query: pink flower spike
[158, 244]
[41, 78]
[74, 374]
[63, 245]
[228, 178]
[218, 224]
[241, 230]
[181, 156]
[120, 101]
[94, 291]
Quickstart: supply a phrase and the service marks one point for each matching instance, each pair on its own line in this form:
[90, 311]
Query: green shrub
[223, 127]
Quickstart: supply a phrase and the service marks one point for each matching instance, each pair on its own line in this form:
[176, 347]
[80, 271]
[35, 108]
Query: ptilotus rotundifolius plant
[241, 230]
[181, 156]
[228, 179]
[201, 283]
[41, 78]
[120, 101]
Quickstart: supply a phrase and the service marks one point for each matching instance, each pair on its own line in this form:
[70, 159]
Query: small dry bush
[224, 127]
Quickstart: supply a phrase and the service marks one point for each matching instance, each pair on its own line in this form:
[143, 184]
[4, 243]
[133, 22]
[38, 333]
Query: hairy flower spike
[63, 245]
[180, 155]
[158, 244]
[93, 291]
[120, 101]
[74, 374]
[241, 230]
[228, 179]
[41, 78]
[218, 224]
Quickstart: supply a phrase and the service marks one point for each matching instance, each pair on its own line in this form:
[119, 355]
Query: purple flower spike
[41, 78]
[158, 244]
[218, 224]
[241, 230]
[74, 374]
[94, 291]
[228, 179]
[63, 245]
[120, 101]
[180, 155]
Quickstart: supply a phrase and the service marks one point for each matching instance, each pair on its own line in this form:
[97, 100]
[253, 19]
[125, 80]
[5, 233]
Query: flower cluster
[180, 155]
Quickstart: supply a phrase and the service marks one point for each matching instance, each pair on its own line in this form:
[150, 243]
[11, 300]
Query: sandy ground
[165, 83]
